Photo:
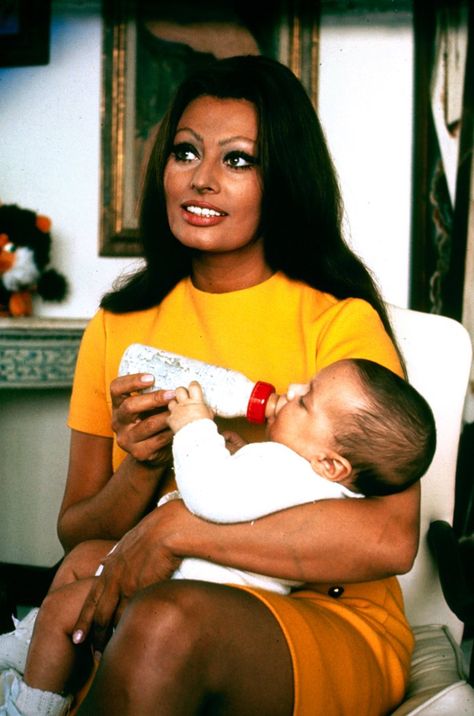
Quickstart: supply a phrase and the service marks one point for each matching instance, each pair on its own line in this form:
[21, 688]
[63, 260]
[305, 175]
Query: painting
[148, 48]
[442, 245]
[442, 179]
[24, 32]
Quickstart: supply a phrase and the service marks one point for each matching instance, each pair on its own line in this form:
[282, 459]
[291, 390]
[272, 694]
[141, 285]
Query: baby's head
[359, 424]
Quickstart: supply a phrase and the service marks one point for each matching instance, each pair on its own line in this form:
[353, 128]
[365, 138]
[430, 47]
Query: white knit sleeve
[257, 480]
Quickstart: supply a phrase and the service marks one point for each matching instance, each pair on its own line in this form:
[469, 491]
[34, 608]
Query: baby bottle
[228, 393]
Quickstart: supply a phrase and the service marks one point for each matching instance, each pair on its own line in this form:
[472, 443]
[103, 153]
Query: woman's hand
[142, 557]
[140, 420]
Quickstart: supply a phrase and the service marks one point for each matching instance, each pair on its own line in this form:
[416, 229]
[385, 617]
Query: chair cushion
[437, 679]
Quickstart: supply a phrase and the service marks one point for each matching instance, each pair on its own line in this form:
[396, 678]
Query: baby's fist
[187, 406]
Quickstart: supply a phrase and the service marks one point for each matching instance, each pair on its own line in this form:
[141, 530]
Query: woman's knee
[202, 641]
[158, 654]
[81, 562]
[168, 617]
[170, 625]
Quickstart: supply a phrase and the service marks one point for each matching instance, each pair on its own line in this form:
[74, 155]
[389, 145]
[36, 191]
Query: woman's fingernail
[147, 378]
[97, 655]
[169, 394]
[78, 636]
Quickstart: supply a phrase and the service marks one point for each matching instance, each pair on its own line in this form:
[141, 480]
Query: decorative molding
[39, 352]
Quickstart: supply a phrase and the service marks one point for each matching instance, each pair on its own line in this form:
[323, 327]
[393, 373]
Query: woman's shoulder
[321, 304]
[110, 333]
[352, 328]
[351, 308]
[120, 321]
[297, 292]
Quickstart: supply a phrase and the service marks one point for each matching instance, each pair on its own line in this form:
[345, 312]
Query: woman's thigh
[185, 647]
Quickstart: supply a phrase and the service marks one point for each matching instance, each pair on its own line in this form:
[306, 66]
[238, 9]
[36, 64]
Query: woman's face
[212, 178]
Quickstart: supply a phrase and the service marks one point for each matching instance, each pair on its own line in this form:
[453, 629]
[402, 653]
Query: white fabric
[19, 699]
[23, 272]
[15, 644]
[437, 680]
[257, 480]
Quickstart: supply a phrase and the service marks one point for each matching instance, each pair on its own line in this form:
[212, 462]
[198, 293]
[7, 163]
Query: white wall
[50, 162]
[366, 107]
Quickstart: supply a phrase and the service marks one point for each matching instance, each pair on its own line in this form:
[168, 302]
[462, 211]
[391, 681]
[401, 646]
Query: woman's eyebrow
[188, 129]
[237, 137]
[222, 142]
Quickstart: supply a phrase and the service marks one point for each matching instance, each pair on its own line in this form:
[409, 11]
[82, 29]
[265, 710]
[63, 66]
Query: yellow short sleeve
[353, 329]
[89, 410]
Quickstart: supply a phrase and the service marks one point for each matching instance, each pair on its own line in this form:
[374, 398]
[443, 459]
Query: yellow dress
[350, 654]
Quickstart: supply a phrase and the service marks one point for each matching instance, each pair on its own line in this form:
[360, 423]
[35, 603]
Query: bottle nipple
[271, 405]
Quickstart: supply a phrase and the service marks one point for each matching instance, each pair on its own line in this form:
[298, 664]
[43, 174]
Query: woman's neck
[221, 273]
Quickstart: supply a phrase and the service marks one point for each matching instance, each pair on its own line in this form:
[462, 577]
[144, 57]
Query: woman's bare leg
[184, 648]
[54, 663]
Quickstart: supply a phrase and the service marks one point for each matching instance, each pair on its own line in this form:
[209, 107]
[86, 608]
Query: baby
[357, 429]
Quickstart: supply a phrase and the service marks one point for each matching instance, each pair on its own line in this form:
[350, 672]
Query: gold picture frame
[146, 52]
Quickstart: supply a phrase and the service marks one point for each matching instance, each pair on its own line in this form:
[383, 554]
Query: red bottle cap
[258, 400]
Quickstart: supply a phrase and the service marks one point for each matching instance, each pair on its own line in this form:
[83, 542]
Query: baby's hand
[187, 406]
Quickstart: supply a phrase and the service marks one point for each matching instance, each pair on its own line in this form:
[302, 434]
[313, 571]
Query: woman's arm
[309, 543]
[101, 504]
[97, 503]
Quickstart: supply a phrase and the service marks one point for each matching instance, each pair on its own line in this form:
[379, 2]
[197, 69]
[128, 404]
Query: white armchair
[438, 353]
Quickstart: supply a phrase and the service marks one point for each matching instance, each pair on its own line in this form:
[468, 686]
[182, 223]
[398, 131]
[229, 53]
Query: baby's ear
[332, 466]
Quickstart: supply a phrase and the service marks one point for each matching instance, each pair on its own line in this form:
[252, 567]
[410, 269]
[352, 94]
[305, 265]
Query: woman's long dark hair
[302, 210]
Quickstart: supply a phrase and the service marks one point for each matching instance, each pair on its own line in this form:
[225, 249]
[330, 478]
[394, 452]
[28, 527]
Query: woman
[245, 266]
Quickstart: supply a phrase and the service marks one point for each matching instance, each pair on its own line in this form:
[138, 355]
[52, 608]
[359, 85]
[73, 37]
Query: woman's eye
[240, 160]
[184, 152]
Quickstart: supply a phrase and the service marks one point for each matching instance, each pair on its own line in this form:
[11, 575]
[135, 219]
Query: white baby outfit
[257, 480]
